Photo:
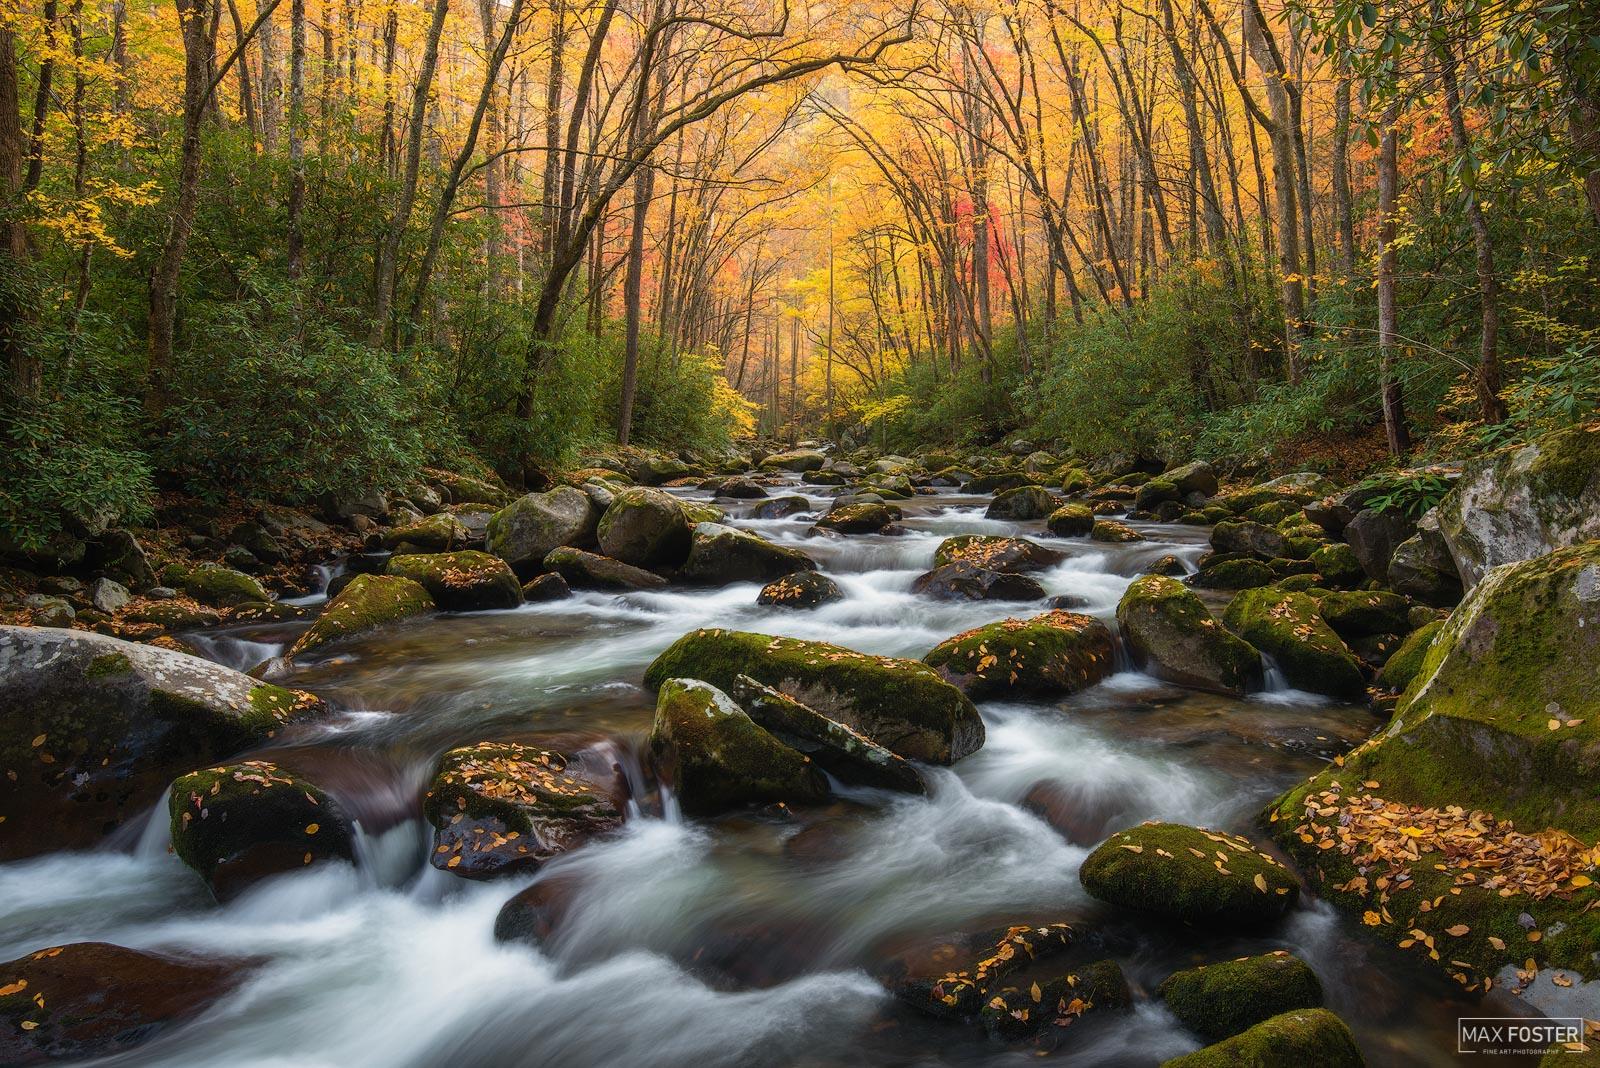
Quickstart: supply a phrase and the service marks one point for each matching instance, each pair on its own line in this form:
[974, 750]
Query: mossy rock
[500, 807]
[239, 823]
[901, 705]
[1189, 874]
[794, 460]
[1196, 477]
[966, 581]
[1156, 491]
[1274, 513]
[1302, 1038]
[999, 482]
[961, 990]
[1356, 613]
[804, 589]
[1090, 992]
[93, 729]
[1244, 536]
[1173, 635]
[1288, 628]
[368, 602]
[1233, 575]
[464, 581]
[524, 531]
[435, 534]
[716, 758]
[1216, 1001]
[1070, 521]
[860, 518]
[1022, 503]
[1300, 488]
[951, 476]
[719, 555]
[222, 587]
[591, 571]
[1406, 662]
[1057, 652]
[996, 552]
[1073, 479]
[1339, 566]
[1109, 530]
[645, 528]
[547, 587]
[844, 753]
[174, 615]
[469, 489]
[780, 507]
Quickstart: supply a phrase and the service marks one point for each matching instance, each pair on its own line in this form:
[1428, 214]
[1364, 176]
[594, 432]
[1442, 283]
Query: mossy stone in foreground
[1189, 874]
[369, 601]
[464, 581]
[1287, 627]
[1057, 652]
[1016, 1012]
[1218, 1000]
[720, 554]
[1172, 633]
[1070, 521]
[902, 705]
[1303, 1038]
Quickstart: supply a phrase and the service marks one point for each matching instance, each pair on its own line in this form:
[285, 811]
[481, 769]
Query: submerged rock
[1218, 1000]
[465, 581]
[804, 589]
[591, 571]
[1189, 874]
[1172, 634]
[92, 729]
[645, 528]
[524, 531]
[1304, 1038]
[368, 602]
[843, 752]
[996, 552]
[967, 581]
[901, 705]
[1057, 652]
[1092, 991]
[719, 555]
[961, 991]
[1287, 627]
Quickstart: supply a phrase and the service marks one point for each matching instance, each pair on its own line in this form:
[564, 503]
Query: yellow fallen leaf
[313, 828]
[1458, 930]
[1371, 919]
[1497, 943]
[1261, 882]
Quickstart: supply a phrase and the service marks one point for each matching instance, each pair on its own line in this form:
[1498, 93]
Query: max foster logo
[1499, 1035]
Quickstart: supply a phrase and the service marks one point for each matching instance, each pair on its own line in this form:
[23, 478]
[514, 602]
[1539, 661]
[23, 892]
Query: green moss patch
[369, 601]
[1057, 652]
[1287, 627]
[1304, 1038]
[1218, 1000]
[1189, 874]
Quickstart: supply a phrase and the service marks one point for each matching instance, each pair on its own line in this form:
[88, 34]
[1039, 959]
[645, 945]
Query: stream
[751, 939]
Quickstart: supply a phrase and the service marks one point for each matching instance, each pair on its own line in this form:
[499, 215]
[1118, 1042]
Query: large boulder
[646, 528]
[1301, 487]
[591, 571]
[1218, 1000]
[996, 552]
[1070, 521]
[222, 587]
[1092, 991]
[1302, 1038]
[1373, 536]
[740, 489]
[1287, 627]
[846, 754]
[656, 469]
[465, 581]
[866, 517]
[1524, 502]
[1189, 874]
[716, 758]
[1423, 568]
[1057, 652]
[1021, 503]
[239, 823]
[794, 460]
[1173, 636]
[1197, 477]
[1405, 663]
[1358, 613]
[901, 705]
[368, 602]
[967, 581]
[1244, 536]
[802, 589]
[500, 807]
[92, 729]
[719, 555]
[436, 534]
[524, 531]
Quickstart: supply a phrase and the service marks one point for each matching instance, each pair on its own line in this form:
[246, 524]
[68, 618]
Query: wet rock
[239, 823]
[241, 559]
[1081, 816]
[1304, 1038]
[1070, 521]
[656, 469]
[547, 587]
[1156, 492]
[1057, 652]
[1287, 627]
[1216, 1001]
[368, 602]
[1022, 503]
[719, 555]
[861, 518]
[998, 482]
[1373, 536]
[996, 552]
[716, 758]
[1073, 479]
[901, 705]
[1189, 874]
[1405, 664]
[951, 477]
[92, 729]
[824, 478]
[591, 571]
[804, 589]
[1339, 566]
[266, 612]
[93, 999]
[967, 581]
[794, 460]
[962, 991]
[523, 532]
[1244, 536]
[645, 528]
[1094, 990]
[844, 753]
[780, 507]
[1197, 477]
[499, 807]
[741, 489]
[435, 534]
[1169, 565]
[1111, 531]
[465, 581]
[222, 587]
[468, 489]
[1423, 568]
[1171, 633]
[532, 914]
[1362, 612]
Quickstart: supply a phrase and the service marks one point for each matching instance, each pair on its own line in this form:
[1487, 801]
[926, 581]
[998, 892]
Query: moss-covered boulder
[1089, 992]
[1356, 613]
[1172, 635]
[1422, 567]
[1109, 530]
[1189, 874]
[1216, 1001]
[1302, 1038]
[1233, 574]
[803, 589]
[1524, 502]
[997, 552]
[780, 507]
[1339, 566]
[239, 823]
[1250, 538]
[524, 531]
[794, 460]
[1405, 663]
[1070, 521]
[959, 989]
[435, 534]
[92, 729]
[590, 571]
[739, 489]
[1301, 487]
[901, 705]
[998, 481]
[368, 602]
[465, 581]
[1156, 492]
[469, 489]
[1196, 477]
[1287, 627]
[646, 528]
[222, 587]
[716, 758]
[843, 752]
[967, 581]
[1057, 652]
[719, 555]
[1073, 479]
[865, 517]
[1022, 503]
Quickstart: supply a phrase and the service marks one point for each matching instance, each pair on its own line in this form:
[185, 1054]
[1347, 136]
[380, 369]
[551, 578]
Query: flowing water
[750, 940]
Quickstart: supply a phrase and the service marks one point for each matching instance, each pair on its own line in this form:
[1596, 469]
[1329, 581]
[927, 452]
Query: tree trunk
[1394, 409]
[23, 369]
[1343, 197]
[297, 136]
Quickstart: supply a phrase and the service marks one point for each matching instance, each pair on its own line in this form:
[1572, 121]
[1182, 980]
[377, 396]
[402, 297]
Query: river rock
[468, 489]
[1189, 874]
[859, 518]
[646, 528]
[108, 595]
[1422, 567]
[435, 534]
[967, 581]
[719, 555]
[1110, 530]
[547, 587]
[88, 1000]
[961, 989]
[1094, 990]
[1373, 535]
[1339, 566]
[1405, 664]
[716, 758]
[1524, 502]
[1057, 652]
[1303, 1038]
[740, 489]
[657, 469]
[1302, 487]
[1361, 612]
[1073, 479]
[1171, 633]
[465, 581]
[780, 507]
[92, 729]
[591, 571]
[846, 754]
[996, 552]
[1216, 1001]
[1197, 477]
[803, 589]
[368, 602]
[500, 807]
[239, 823]
[998, 482]
[1247, 537]
[794, 460]
[901, 705]
[1156, 492]
[1022, 503]
[1070, 521]
[1287, 627]
[222, 587]
[118, 555]
[47, 611]
[524, 531]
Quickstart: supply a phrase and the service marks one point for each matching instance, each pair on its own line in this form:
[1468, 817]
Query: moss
[1338, 565]
[996, 552]
[1070, 521]
[902, 705]
[1112, 531]
[222, 587]
[1218, 1000]
[436, 533]
[803, 589]
[1233, 575]
[461, 581]
[960, 992]
[1567, 466]
[1057, 652]
[369, 601]
[998, 482]
[108, 664]
[1021, 503]
[1403, 667]
[863, 518]
[703, 512]
[1365, 612]
[1015, 1012]
[1154, 492]
[1274, 512]
[1170, 630]
[1073, 479]
[1189, 874]
[1304, 1038]
[1286, 627]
